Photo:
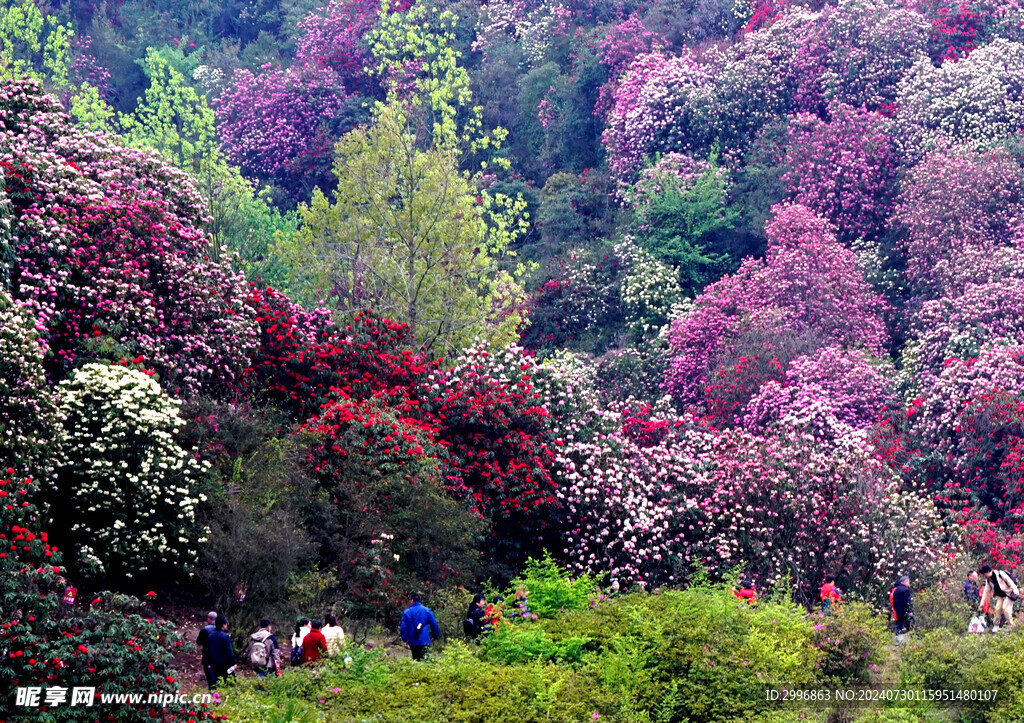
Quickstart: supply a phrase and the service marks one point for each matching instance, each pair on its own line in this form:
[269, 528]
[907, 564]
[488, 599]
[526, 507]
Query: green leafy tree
[411, 235]
[35, 44]
[678, 217]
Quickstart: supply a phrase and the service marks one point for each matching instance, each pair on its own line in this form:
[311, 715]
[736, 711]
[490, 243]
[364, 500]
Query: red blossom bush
[112, 644]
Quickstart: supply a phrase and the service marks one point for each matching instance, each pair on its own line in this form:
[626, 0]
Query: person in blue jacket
[220, 652]
[418, 622]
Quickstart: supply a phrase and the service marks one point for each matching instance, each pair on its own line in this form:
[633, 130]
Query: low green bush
[551, 590]
[853, 642]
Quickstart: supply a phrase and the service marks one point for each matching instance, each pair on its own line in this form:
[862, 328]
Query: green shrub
[514, 644]
[551, 590]
[853, 642]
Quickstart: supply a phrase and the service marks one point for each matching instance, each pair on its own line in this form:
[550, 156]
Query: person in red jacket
[746, 592]
[314, 644]
[831, 595]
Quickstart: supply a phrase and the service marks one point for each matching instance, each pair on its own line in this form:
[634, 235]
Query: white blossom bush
[28, 413]
[977, 101]
[128, 491]
[651, 293]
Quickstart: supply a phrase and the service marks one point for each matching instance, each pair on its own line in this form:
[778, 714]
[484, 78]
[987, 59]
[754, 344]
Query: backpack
[297, 656]
[260, 656]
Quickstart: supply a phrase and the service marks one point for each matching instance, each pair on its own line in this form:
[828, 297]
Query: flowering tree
[128, 492]
[976, 101]
[28, 413]
[843, 169]
[280, 124]
[959, 208]
[108, 252]
[807, 281]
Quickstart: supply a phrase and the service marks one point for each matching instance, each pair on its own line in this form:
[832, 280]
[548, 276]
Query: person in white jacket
[998, 596]
[334, 634]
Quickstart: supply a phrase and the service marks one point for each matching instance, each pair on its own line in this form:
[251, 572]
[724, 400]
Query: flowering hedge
[128, 492]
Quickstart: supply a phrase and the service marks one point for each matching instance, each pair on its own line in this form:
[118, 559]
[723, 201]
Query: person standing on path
[220, 652]
[334, 633]
[418, 623]
[314, 644]
[901, 601]
[265, 651]
[204, 633]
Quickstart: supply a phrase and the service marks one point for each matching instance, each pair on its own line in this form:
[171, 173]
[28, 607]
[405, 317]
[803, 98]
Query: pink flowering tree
[844, 169]
[108, 253]
[959, 208]
[848, 389]
[280, 124]
[807, 281]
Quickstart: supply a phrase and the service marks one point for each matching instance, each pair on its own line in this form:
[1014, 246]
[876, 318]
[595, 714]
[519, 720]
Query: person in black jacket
[220, 652]
[901, 601]
[204, 633]
[473, 624]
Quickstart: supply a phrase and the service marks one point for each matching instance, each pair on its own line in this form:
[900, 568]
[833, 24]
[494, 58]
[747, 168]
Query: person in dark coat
[972, 590]
[473, 624]
[204, 633]
[418, 622]
[220, 652]
[901, 602]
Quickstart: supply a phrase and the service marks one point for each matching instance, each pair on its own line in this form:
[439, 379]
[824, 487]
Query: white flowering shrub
[651, 293]
[977, 101]
[128, 490]
[28, 415]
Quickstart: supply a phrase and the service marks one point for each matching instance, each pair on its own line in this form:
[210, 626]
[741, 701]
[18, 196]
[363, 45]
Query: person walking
[334, 634]
[314, 644]
[204, 633]
[418, 623]
[220, 652]
[972, 589]
[301, 631]
[830, 595]
[264, 650]
[998, 596]
[473, 623]
[901, 601]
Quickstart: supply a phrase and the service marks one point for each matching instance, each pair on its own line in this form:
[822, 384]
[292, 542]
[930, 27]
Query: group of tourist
[310, 641]
[994, 597]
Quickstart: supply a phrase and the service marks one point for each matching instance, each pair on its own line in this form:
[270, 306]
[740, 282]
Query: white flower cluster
[130, 487]
[651, 294]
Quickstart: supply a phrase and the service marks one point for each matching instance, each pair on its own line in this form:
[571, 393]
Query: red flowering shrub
[112, 644]
[387, 524]
[500, 450]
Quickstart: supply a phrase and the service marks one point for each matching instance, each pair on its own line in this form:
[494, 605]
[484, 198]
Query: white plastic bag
[977, 625]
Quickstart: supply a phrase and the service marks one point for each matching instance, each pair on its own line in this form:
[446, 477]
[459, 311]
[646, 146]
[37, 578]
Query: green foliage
[853, 644]
[679, 656]
[410, 237]
[517, 644]
[551, 590]
[677, 223]
[33, 43]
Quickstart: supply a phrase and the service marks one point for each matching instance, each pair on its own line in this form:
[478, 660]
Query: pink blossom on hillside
[807, 281]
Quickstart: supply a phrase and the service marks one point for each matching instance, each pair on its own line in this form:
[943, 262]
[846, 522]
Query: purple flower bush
[807, 281]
